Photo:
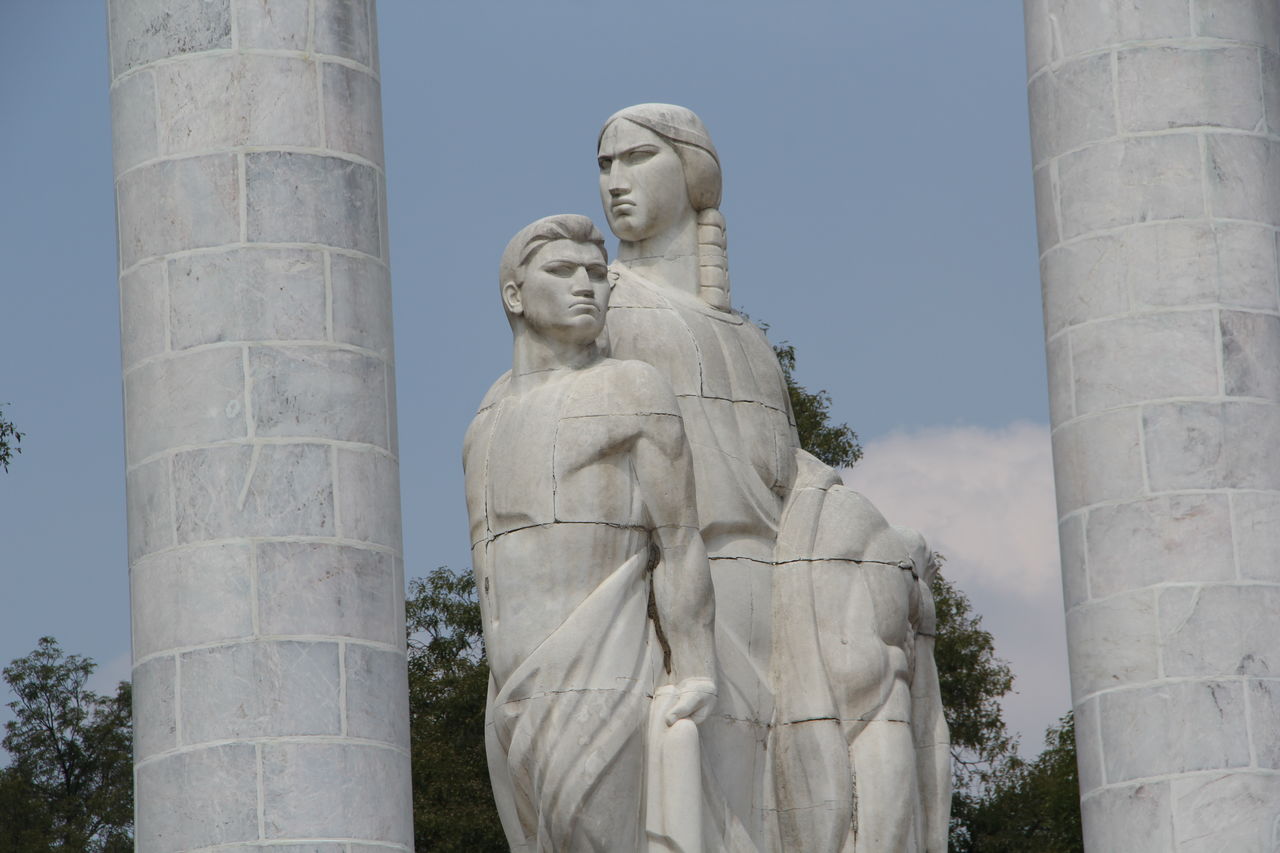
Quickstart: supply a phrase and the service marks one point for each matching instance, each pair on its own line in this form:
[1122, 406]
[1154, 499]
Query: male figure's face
[565, 292]
[642, 182]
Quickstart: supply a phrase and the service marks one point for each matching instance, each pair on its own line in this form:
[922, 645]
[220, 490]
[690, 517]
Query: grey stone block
[319, 392]
[194, 398]
[1167, 87]
[300, 799]
[1144, 357]
[133, 131]
[265, 688]
[1182, 264]
[377, 694]
[1177, 727]
[1257, 535]
[1159, 540]
[314, 588]
[352, 111]
[1075, 588]
[1088, 279]
[1130, 181]
[1264, 710]
[1234, 812]
[242, 99]
[1035, 15]
[1211, 445]
[1113, 643]
[197, 799]
[1250, 21]
[149, 498]
[274, 25]
[1244, 177]
[1046, 209]
[1271, 90]
[304, 198]
[361, 303]
[287, 491]
[1062, 404]
[1091, 26]
[155, 727]
[142, 320]
[1251, 354]
[1088, 749]
[1073, 105]
[342, 29]
[1097, 459]
[143, 31]
[253, 294]
[1132, 818]
[1220, 630]
[192, 596]
[369, 497]
[173, 205]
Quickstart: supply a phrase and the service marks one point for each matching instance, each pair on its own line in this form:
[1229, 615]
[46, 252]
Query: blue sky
[879, 206]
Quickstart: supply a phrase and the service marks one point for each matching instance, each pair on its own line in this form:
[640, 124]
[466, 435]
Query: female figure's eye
[639, 155]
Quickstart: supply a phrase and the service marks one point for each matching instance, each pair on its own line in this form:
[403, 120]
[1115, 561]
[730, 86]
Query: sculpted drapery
[824, 732]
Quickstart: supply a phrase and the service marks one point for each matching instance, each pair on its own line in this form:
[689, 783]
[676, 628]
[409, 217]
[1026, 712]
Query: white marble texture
[263, 494]
[1153, 139]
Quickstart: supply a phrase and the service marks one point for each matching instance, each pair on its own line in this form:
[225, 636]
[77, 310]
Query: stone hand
[695, 697]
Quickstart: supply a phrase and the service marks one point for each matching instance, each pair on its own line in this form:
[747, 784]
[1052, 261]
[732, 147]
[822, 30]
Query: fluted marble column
[1157, 176]
[263, 499]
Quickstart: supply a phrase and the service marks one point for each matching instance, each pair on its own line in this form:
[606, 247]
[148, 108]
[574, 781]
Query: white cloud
[984, 498]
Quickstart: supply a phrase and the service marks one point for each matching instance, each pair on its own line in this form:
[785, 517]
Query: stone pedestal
[263, 500]
[1157, 176]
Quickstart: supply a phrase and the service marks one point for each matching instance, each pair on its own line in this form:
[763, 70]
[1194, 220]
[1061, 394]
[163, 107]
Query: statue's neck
[669, 259]
[536, 359]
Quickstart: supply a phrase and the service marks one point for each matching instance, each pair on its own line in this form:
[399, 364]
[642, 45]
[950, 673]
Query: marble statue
[594, 586]
[700, 639]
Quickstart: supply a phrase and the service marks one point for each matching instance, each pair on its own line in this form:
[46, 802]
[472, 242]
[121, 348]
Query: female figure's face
[642, 184]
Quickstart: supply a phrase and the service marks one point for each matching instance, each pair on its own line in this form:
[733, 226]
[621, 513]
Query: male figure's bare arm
[682, 587]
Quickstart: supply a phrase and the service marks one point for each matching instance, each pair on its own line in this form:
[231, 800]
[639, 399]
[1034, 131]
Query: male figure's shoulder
[484, 414]
[624, 387]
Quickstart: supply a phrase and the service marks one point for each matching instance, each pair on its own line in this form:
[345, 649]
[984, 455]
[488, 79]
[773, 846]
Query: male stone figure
[593, 580]
[817, 603]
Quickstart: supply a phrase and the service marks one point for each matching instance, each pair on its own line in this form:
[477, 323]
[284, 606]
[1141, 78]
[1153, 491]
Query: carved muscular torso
[554, 500]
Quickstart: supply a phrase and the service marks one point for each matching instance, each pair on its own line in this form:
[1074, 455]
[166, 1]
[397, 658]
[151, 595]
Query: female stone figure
[815, 593]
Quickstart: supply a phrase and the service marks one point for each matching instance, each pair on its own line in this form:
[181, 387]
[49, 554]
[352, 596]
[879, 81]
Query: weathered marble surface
[825, 733]
[1154, 145]
[263, 499]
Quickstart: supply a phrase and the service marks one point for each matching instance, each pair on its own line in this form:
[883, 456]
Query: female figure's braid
[713, 259]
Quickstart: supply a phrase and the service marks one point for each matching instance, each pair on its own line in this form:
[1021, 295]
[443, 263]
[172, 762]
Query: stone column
[263, 500]
[1157, 177]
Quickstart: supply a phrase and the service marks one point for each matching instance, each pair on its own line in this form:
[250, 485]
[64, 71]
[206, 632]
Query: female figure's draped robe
[768, 511]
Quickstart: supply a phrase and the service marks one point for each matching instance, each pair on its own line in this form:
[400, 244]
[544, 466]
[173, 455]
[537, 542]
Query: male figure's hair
[532, 237]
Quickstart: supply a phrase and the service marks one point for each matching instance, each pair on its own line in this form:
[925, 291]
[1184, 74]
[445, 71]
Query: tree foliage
[9, 441]
[70, 784]
[453, 808]
[1032, 806]
[835, 444]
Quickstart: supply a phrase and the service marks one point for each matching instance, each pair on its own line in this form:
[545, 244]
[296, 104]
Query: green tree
[1032, 806]
[71, 752]
[835, 444]
[9, 440]
[453, 808]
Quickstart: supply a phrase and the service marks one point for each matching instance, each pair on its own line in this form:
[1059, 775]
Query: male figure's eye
[605, 163]
[562, 270]
[597, 272]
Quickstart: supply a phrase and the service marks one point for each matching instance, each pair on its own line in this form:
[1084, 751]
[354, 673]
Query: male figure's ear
[511, 298]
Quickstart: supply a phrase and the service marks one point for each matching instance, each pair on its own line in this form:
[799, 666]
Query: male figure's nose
[582, 285]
